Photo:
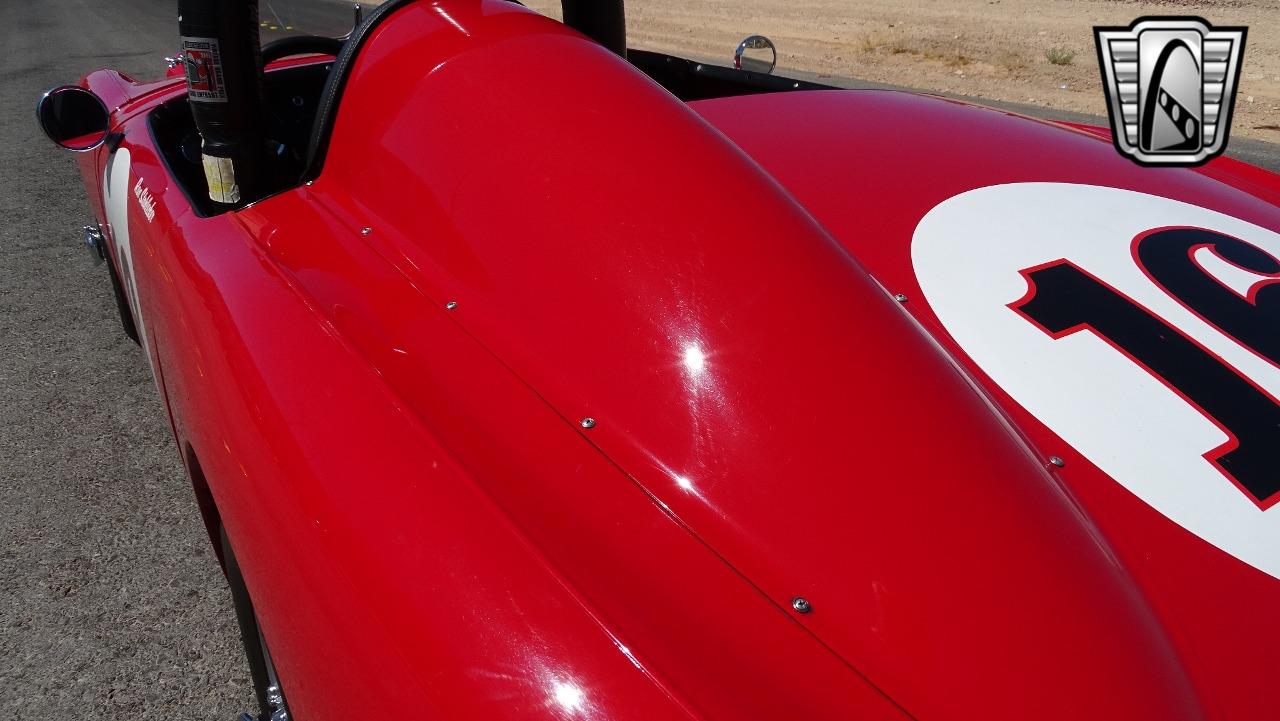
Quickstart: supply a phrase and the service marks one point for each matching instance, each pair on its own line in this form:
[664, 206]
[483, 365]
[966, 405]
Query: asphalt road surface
[111, 603]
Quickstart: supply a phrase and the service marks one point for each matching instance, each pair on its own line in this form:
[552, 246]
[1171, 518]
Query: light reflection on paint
[696, 365]
[568, 696]
[684, 483]
[694, 359]
[630, 656]
[449, 19]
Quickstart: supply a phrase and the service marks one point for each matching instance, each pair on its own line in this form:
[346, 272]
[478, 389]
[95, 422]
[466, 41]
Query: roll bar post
[601, 20]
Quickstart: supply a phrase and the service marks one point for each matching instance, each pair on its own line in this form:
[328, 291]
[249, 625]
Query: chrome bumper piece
[95, 243]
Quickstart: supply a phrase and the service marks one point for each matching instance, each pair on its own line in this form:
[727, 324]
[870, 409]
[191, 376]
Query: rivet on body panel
[588, 423]
[900, 297]
[451, 305]
[366, 231]
[1056, 461]
[801, 605]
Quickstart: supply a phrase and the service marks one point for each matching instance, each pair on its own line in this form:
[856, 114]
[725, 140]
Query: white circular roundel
[1140, 329]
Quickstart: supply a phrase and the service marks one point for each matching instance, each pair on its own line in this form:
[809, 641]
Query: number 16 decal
[1063, 299]
[1249, 315]
[1142, 332]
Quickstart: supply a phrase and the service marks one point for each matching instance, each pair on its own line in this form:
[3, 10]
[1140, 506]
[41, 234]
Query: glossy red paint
[390, 421]
[1214, 608]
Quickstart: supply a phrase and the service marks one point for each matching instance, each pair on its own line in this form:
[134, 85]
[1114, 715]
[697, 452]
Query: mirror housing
[73, 118]
[756, 54]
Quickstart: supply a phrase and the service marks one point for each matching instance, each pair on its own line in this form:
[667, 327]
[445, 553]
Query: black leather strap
[327, 110]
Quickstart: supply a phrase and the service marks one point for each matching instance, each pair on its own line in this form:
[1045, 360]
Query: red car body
[551, 393]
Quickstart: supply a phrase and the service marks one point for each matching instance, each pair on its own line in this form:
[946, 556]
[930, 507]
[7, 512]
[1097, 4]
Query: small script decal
[145, 201]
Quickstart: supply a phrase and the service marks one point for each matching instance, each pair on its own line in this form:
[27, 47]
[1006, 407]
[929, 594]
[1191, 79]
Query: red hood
[746, 373]
[746, 376]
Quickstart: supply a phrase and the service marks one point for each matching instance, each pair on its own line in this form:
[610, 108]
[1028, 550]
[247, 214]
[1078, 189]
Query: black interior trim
[691, 80]
[300, 45]
[291, 96]
[162, 142]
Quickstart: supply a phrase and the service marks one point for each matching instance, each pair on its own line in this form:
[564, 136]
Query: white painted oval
[967, 253]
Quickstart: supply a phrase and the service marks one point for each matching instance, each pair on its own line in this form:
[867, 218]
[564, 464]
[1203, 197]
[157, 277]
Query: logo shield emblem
[1171, 85]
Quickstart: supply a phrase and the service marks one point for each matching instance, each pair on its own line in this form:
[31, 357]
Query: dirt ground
[998, 49]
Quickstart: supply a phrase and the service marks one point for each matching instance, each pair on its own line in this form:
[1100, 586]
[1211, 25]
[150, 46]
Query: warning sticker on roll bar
[203, 63]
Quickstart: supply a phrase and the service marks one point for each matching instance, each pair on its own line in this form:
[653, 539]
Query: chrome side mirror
[73, 117]
[756, 54]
